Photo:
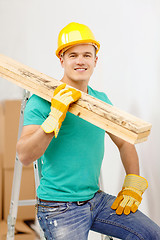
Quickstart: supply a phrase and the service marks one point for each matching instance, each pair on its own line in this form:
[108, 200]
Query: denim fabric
[68, 221]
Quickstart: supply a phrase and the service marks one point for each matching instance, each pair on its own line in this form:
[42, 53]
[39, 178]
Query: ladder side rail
[37, 175]
[16, 177]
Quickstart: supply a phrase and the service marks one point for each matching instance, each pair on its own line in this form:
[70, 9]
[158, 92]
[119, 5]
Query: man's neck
[80, 85]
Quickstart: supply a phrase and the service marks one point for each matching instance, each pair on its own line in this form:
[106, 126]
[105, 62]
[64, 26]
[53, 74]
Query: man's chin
[80, 80]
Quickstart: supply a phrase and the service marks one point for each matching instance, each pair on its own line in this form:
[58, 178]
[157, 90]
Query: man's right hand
[63, 96]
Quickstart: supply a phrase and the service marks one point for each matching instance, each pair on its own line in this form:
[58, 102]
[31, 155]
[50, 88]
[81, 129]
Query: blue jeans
[68, 221]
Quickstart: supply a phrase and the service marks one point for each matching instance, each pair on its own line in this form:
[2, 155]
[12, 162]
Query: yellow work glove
[62, 97]
[130, 197]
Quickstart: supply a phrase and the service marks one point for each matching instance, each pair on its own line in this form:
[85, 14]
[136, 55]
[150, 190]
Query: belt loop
[80, 203]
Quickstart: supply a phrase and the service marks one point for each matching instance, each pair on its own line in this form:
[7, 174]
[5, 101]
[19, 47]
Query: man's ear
[96, 59]
[61, 61]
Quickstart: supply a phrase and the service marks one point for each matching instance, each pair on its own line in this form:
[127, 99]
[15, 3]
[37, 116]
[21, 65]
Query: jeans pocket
[52, 210]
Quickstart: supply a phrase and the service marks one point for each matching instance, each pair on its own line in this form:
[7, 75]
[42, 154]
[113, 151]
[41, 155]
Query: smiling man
[69, 201]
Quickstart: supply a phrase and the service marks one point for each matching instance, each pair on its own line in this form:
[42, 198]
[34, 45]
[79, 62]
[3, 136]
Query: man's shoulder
[36, 110]
[38, 105]
[36, 101]
[98, 94]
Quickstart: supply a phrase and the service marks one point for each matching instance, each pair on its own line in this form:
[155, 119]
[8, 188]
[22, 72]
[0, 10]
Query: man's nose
[80, 60]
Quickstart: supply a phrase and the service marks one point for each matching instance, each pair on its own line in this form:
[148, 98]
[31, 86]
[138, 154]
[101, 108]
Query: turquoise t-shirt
[72, 161]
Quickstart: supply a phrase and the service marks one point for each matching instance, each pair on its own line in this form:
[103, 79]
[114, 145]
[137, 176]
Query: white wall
[128, 68]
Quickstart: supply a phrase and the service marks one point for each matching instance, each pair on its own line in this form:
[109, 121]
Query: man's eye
[72, 56]
[87, 55]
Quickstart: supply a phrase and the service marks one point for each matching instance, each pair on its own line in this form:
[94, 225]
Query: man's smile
[80, 69]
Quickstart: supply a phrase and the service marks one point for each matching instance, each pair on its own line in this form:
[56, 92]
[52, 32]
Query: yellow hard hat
[75, 33]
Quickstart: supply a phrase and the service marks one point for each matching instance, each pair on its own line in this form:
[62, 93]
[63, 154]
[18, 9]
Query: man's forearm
[129, 158]
[32, 146]
[128, 155]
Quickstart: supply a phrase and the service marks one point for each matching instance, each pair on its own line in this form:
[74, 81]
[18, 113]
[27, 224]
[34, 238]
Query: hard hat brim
[68, 45]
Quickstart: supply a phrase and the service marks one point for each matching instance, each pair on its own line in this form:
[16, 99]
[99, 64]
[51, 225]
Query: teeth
[80, 69]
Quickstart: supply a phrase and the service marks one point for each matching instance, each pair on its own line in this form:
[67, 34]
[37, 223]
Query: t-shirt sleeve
[36, 111]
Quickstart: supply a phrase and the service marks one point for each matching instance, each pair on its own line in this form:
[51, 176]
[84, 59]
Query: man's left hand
[130, 197]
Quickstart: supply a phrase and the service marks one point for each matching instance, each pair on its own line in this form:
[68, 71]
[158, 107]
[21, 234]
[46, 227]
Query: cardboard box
[0, 187]
[1, 129]
[1, 153]
[27, 191]
[11, 126]
[22, 231]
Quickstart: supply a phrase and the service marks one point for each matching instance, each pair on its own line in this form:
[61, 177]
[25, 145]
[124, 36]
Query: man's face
[79, 62]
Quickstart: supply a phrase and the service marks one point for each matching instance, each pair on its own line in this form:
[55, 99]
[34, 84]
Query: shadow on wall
[149, 155]
[151, 168]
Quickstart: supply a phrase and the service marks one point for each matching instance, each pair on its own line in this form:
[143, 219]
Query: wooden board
[95, 111]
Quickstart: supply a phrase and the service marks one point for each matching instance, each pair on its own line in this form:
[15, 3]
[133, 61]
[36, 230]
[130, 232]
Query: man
[71, 149]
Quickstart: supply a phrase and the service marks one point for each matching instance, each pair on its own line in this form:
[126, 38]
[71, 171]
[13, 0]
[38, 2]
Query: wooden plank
[95, 111]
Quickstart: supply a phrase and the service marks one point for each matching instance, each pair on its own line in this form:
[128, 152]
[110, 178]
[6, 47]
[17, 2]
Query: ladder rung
[29, 202]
